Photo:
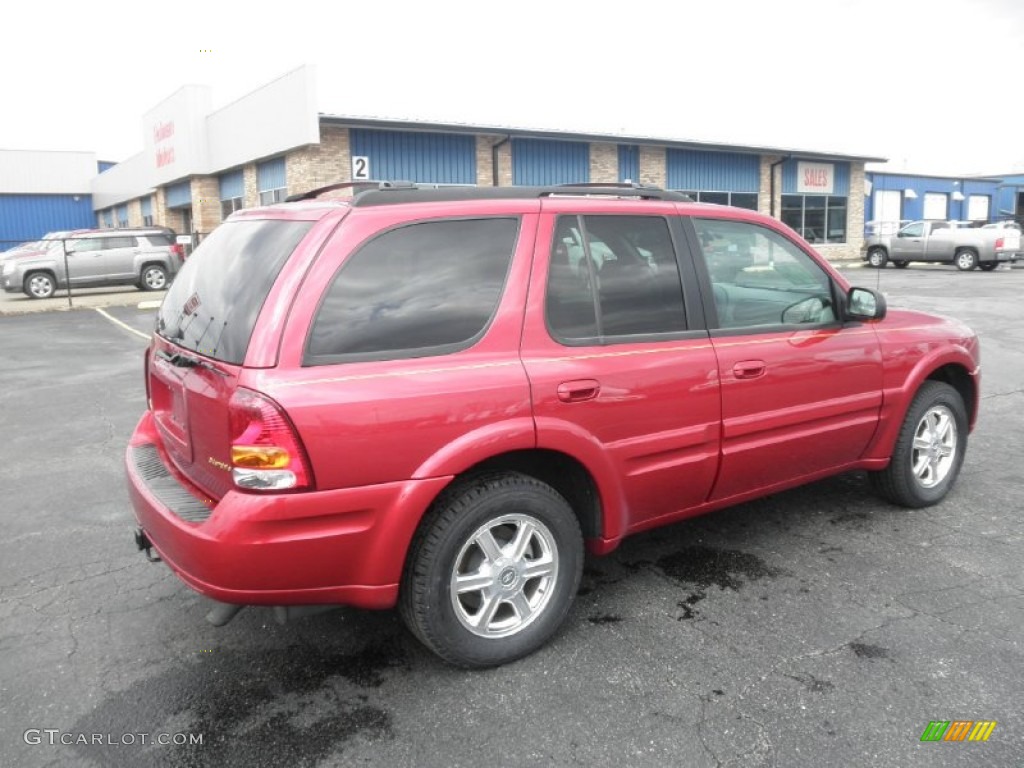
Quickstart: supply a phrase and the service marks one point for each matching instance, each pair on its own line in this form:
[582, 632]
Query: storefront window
[746, 200]
[817, 218]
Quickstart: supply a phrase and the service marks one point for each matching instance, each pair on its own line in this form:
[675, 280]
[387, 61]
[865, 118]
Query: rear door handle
[749, 369]
[578, 391]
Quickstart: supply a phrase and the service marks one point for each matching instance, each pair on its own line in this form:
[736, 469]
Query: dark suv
[437, 398]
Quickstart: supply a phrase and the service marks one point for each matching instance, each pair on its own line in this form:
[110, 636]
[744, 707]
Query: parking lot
[819, 627]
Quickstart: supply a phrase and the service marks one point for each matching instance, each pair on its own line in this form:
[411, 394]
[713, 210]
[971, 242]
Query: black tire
[446, 544]
[899, 482]
[966, 259]
[153, 278]
[901, 264]
[39, 285]
[878, 258]
[988, 266]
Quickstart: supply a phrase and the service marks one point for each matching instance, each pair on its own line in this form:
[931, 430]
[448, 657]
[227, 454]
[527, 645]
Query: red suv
[435, 398]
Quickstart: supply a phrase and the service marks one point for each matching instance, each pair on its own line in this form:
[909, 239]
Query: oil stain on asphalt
[702, 567]
[291, 706]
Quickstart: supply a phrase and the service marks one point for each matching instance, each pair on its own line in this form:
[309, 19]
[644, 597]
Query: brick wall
[604, 163]
[251, 198]
[161, 215]
[205, 203]
[318, 165]
[135, 213]
[653, 166]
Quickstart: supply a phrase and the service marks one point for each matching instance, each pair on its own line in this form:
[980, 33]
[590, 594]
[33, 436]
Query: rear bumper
[344, 547]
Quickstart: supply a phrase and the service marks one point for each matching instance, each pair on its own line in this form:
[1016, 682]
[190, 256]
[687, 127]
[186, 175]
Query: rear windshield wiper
[181, 360]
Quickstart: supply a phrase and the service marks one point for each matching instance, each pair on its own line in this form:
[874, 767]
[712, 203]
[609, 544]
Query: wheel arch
[44, 270]
[955, 368]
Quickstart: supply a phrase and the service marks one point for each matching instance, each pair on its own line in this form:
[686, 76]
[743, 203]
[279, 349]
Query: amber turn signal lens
[259, 456]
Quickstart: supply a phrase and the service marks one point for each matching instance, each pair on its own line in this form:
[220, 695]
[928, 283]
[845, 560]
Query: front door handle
[578, 391]
[749, 369]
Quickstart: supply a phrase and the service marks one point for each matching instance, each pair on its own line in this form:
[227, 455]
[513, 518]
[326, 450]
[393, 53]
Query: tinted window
[913, 230]
[759, 277]
[159, 240]
[632, 270]
[427, 288]
[214, 301]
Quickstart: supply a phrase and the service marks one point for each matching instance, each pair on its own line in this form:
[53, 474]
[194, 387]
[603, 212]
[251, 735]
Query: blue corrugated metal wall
[108, 218]
[122, 215]
[232, 185]
[540, 161]
[271, 175]
[840, 181]
[104, 166]
[147, 206]
[428, 158]
[629, 163]
[179, 195]
[913, 207]
[690, 169]
[29, 217]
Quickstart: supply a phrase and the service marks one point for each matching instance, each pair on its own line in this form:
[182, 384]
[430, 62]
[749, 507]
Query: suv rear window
[214, 301]
[428, 288]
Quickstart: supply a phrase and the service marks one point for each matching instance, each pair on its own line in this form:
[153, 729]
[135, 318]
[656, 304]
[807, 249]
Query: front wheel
[929, 450]
[877, 258]
[493, 570]
[40, 285]
[988, 266]
[966, 260]
[153, 278]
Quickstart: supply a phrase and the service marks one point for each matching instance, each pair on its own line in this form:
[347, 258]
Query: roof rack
[356, 186]
[413, 193]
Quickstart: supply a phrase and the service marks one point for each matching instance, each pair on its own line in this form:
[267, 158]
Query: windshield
[214, 301]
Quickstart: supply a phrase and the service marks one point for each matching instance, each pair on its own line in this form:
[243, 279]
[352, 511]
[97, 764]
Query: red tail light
[178, 250]
[999, 243]
[266, 453]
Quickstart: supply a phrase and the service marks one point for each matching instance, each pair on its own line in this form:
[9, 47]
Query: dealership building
[200, 164]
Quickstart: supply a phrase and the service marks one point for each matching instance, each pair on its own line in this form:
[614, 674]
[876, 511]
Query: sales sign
[814, 178]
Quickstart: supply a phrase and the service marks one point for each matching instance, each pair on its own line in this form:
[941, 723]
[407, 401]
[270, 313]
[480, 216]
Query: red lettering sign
[162, 131]
[164, 157]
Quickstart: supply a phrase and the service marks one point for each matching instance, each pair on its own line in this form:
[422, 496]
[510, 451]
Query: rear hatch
[204, 327]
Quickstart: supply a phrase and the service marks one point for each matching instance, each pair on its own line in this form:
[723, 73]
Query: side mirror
[864, 304]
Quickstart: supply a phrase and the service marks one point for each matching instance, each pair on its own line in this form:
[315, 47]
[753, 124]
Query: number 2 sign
[360, 168]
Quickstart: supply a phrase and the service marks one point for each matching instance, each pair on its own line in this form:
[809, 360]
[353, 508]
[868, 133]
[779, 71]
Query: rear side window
[428, 288]
[159, 240]
[214, 301]
[628, 287]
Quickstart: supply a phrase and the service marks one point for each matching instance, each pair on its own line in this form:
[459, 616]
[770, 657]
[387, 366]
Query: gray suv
[147, 258]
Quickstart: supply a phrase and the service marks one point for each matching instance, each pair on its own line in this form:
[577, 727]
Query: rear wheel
[40, 285]
[877, 257]
[929, 450]
[493, 570]
[153, 278]
[988, 266]
[901, 264]
[966, 260]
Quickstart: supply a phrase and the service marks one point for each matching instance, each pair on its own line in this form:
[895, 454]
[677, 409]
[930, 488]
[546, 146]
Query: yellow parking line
[127, 327]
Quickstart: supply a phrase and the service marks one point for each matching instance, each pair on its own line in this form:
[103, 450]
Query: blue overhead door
[540, 162]
[428, 158]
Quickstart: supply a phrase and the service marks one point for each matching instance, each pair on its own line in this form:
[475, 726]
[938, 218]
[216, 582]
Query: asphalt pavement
[818, 627]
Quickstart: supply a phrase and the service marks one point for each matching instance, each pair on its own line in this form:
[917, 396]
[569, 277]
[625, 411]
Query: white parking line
[127, 327]
[150, 304]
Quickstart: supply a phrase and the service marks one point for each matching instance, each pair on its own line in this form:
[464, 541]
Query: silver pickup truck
[943, 241]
